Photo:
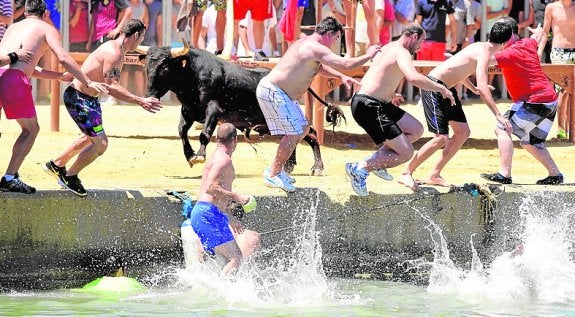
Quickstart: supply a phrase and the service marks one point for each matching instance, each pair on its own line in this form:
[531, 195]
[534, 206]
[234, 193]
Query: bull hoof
[316, 172]
[196, 160]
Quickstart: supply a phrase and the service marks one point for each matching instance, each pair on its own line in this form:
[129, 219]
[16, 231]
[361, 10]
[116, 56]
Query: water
[537, 279]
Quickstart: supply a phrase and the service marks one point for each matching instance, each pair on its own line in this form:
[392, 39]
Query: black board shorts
[378, 118]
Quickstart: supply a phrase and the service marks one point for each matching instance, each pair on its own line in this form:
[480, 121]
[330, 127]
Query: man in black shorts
[441, 114]
[374, 108]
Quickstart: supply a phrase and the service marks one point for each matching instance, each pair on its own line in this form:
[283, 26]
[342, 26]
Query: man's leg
[220, 29]
[23, 144]
[505, 145]
[461, 133]
[285, 149]
[544, 157]
[74, 149]
[88, 154]
[242, 247]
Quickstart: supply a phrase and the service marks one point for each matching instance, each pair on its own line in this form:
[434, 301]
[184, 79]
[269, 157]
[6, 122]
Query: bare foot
[408, 181]
[437, 181]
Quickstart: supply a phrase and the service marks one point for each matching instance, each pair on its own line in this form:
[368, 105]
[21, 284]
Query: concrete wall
[54, 239]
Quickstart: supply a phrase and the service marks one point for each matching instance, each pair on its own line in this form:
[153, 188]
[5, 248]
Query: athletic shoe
[496, 177]
[561, 135]
[278, 182]
[551, 180]
[382, 173]
[73, 184]
[16, 186]
[358, 177]
[54, 170]
[283, 175]
[260, 56]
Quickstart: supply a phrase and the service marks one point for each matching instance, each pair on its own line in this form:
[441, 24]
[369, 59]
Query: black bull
[212, 90]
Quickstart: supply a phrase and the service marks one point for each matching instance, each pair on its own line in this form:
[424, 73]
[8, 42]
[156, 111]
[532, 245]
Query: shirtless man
[35, 35]
[374, 107]
[560, 19]
[219, 231]
[279, 91]
[440, 114]
[104, 64]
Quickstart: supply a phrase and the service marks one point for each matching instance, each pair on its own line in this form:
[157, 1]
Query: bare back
[296, 69]
[472, 59]
[218, 170]
[29, 34]
[385, 73]
[562, 23]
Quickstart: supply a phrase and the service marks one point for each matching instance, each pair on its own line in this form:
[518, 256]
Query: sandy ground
[145, 153]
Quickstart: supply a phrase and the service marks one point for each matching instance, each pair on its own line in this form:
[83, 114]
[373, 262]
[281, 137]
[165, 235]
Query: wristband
[13, 57]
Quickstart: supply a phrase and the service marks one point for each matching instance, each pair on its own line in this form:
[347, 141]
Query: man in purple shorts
[104, 64]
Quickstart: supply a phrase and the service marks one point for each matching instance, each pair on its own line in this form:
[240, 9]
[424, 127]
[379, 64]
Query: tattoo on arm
[112, 73]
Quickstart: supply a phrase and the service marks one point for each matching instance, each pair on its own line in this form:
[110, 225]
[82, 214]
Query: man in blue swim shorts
[219, 231]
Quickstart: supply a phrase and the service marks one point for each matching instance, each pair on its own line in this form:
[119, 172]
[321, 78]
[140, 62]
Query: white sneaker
[357, 177]
[382, 173]
[278, 182]
[283, 175]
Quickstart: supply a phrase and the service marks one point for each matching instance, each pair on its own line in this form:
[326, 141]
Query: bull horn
[176, 52]
[142, 49]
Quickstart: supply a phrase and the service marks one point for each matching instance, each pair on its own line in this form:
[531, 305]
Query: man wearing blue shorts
[219, 231]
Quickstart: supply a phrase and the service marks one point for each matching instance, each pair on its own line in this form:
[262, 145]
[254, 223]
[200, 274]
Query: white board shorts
[283, 114]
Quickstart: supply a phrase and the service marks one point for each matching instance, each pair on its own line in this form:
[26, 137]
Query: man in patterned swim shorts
[37, 36]
[104, 64]
[534, 106]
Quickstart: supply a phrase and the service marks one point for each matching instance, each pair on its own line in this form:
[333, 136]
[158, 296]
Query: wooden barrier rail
[561, 74]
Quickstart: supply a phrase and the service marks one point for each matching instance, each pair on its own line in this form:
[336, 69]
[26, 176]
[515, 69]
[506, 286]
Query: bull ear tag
[184, 63]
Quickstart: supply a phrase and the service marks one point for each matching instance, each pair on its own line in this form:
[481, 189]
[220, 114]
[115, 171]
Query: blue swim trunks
[85, 110]
[303, 3]
[211, 225]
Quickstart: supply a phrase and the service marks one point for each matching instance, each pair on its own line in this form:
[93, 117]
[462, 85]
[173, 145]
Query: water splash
[295, 277]
[541, 266]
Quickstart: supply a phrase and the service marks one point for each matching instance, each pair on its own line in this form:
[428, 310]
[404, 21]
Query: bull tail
[333, 115]
[248, 139]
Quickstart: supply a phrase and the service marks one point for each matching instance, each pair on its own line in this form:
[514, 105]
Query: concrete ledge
[54, 239]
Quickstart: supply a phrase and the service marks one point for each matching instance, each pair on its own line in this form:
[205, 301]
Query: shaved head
[226, 133]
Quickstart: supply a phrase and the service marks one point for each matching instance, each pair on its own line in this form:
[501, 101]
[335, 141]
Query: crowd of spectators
[264, 28]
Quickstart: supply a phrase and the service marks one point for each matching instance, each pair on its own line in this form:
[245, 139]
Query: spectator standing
[108, 17]
[404, 14]
[261, 10]
[520, 14]
[134, 74]
[385, 18]
[78, 25]
[560, 18]
[350, 6]
[431, 15]
[154, 34]
[539, 18]
[6, 16]
[496, 9]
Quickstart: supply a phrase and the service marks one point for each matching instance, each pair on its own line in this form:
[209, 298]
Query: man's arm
[21, 55]
[325, 56]
[485, 91]
[215, 187]
[547, 21]
[329, 72]
[453, 32]
[405, 63]
[53, 40]
[112, 67]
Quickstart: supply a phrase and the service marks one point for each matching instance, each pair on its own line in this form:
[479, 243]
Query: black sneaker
[551, 180]
[16, 186]
[54, 170]
[260, 56]
[496, 177]
[73, 184]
